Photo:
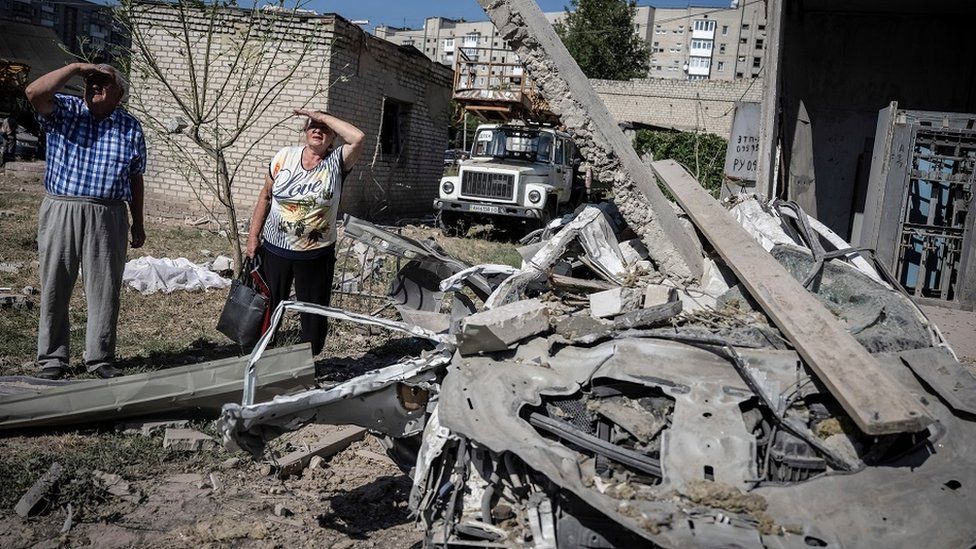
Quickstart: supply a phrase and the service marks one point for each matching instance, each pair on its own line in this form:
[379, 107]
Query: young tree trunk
[233, 237]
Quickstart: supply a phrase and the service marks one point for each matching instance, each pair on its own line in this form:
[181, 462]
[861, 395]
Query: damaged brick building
[398, 97]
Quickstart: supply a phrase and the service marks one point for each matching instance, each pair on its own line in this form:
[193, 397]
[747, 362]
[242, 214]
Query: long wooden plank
[876, 403]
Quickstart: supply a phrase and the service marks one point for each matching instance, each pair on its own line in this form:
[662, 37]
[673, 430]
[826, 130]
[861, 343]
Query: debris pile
[586, 396]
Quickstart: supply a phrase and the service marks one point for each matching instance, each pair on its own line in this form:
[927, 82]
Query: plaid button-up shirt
[88, 157]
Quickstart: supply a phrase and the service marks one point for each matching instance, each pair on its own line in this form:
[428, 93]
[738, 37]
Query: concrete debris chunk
[281, 511]
[633, 251]
[222, 263]
[116, 485]
[614, 302]
[148, 428]
[331, 444]
[496, 329]
[658, 294]
[188, 440]
[11, 267]
[30, 501]
[15, 301]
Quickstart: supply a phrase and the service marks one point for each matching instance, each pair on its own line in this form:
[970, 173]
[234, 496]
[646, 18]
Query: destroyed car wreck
[682, 417]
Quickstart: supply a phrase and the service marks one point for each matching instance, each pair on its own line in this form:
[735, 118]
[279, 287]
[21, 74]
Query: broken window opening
[393, 132]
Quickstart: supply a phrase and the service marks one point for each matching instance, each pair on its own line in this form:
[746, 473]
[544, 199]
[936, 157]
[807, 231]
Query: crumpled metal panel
[199, 386]
[894, 505]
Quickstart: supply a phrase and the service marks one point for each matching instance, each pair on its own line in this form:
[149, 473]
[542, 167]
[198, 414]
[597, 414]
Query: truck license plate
[485, 209]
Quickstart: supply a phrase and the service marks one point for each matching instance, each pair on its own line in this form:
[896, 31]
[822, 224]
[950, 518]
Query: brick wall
[347, 72]
[705, 105]
[377, 74]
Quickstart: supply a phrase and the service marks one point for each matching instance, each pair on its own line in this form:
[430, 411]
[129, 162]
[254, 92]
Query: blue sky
[411, 13]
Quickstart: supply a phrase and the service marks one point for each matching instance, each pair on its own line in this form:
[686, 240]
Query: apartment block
[73, 21]
[698, 43]
[692, 43]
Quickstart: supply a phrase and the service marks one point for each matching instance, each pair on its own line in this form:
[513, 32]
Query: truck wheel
[452, 224]
[549, 212]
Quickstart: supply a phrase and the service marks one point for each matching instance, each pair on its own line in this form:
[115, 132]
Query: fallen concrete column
[605, 147]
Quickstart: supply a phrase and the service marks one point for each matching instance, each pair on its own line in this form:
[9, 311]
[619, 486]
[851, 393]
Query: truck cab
[516, 175]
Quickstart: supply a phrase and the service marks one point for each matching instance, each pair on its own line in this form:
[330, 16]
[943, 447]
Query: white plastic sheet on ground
[148, 275]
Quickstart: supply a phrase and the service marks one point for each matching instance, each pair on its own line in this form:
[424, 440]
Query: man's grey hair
[120, 80]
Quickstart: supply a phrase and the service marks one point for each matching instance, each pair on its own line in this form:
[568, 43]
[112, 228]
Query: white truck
[517, 175]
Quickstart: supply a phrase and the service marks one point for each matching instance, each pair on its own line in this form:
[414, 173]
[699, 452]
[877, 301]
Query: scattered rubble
[496, 329]
[34, 498]
[188, 440]
[296, 461]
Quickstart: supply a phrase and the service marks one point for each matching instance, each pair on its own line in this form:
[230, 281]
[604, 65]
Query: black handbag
[243, 314]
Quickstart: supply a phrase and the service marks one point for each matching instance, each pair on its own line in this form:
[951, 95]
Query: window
[756, 61]
[759, 43]
[761, 27]
[558, 157]
[447, 44]
[658, 68]
[701, 44]
[745, 26]
[393, 130]
[743, 40]
[721, 48]
[738, 75]
[742, 59]
[681, 29]
[655, 44]
[704, 25]
[721, 66]
[725, 30]
[471, 40]
[700, 62]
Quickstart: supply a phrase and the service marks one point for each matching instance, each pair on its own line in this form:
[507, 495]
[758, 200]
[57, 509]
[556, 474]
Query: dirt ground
[358, 498]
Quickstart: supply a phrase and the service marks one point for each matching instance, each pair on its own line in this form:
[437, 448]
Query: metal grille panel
[488, 185]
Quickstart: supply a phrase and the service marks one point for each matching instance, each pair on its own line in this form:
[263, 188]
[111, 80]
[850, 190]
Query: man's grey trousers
[92, 233]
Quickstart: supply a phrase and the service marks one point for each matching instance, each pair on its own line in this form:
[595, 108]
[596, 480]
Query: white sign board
[742, 156]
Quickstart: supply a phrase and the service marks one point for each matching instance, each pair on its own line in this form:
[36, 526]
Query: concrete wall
[848, 60]
[348, 73]
[705, 105]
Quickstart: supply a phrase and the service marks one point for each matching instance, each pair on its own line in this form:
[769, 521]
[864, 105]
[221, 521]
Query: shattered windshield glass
[513, 143]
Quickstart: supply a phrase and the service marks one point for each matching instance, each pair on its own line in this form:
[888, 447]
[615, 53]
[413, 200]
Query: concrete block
[658, 294]
[633, 250]
[496, 329]
[614, 302]
[187, 440]
[30, 500]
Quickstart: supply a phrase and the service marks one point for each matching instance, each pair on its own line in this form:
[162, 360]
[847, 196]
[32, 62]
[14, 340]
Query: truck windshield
[513, 143]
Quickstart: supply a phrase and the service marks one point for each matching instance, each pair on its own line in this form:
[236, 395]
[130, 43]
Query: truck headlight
[448, 187]
[535, 197]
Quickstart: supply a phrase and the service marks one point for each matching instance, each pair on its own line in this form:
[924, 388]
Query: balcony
[708, 34]
[698, 71]
[701, 50]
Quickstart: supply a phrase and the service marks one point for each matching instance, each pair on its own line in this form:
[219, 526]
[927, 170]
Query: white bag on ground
[148, 274]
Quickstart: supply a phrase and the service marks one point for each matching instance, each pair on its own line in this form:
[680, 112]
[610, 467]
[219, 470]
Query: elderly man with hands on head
[96, 155]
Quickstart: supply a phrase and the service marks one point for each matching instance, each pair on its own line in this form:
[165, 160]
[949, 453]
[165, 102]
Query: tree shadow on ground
[375, 506]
